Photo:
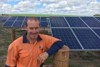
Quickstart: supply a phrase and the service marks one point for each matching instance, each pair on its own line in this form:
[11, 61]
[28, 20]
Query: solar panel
[91, 21]
[67, 36]
[43, 19]
[97, 31]
[19, 21]
[98, 18]
[13, 18]
[43, 23]
[17, 24]
[8, 23]
[1, 17]
[87, 38]
[4, 18]
[58, 22]
[20, 18]
[75, 22]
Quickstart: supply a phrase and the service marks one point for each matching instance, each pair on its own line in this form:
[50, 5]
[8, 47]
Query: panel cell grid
[43, 19]
[97, 31]
[43, 23]
[92, 22]
[87, 38]
[8, 23]
[4, 19]
[58, 22]
[98, 18]
[13, 18]
[75, 22]
[18, 23]
[67, 37]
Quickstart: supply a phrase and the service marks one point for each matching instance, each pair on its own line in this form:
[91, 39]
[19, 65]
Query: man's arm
[11, 56]
[55, 47]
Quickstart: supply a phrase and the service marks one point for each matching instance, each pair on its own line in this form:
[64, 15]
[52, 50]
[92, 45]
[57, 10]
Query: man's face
[32, 29]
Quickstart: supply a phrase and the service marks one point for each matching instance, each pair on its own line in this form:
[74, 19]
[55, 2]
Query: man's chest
[32, 50]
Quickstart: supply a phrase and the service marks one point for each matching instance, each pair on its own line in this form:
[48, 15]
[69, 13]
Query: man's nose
[33, 31]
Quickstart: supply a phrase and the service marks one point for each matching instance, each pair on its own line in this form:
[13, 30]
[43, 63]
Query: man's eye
[36, 28]
[31, 28]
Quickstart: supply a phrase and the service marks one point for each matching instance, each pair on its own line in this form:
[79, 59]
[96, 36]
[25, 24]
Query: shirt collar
[25, 40]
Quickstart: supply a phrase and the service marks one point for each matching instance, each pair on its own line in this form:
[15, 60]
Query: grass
[39, 15]
[5, 40]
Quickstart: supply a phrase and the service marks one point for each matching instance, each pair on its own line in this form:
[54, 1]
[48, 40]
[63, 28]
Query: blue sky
[98, 0]
[13, 2]
[72, 7]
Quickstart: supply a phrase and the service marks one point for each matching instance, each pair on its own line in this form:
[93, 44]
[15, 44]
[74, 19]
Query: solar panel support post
[13, 34]
[61, 58]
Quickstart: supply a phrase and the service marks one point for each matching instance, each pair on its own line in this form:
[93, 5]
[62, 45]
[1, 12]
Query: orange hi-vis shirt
[22, 53]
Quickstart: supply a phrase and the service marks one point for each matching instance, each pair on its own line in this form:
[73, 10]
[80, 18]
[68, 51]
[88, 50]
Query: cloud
[49, 1]
[87, 7]
[25, 4]
[75, 7]
[22, 6]
[2, 1]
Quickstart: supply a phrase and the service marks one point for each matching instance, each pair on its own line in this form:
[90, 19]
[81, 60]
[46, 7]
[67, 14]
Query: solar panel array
[3, 18]
[78, 33]
[19, 22]
[82, 33]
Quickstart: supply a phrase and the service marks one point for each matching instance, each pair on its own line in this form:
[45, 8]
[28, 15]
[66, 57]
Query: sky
[68, 7]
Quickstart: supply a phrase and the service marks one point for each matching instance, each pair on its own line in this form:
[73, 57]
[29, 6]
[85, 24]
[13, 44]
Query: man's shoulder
[18, 40]
[15, 43]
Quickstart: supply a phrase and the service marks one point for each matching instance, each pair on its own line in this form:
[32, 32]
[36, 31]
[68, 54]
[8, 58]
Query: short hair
[31, 18]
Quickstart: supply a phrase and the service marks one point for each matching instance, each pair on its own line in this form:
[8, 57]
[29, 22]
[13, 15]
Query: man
[32, 49]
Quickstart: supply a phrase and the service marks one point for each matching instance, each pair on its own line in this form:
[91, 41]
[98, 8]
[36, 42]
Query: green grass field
[39, 15]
